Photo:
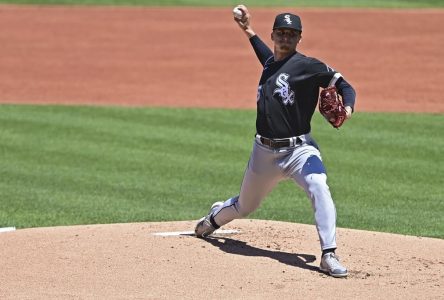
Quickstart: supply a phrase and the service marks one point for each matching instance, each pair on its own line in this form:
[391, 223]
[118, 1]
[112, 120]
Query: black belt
[280, 143]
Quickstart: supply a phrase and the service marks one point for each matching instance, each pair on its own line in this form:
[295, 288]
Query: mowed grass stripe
[143, 161]
[232, 3]
[64, 165]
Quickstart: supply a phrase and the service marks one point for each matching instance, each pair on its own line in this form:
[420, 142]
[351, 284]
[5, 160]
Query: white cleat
[204, 227]
[331, 265]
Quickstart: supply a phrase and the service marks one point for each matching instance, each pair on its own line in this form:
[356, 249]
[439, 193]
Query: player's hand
[244, 22]
[348, 111]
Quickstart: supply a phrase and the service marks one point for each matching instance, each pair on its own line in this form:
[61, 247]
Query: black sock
[328, 251]
[213, 222]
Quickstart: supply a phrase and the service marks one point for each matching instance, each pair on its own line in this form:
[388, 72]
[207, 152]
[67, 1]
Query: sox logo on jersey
[284, 91]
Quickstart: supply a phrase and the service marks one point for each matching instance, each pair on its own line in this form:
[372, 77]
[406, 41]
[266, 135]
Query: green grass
[266, 3]
[62, 165]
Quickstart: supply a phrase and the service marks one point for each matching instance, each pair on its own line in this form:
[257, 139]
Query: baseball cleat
[331, 265]
[204, 227]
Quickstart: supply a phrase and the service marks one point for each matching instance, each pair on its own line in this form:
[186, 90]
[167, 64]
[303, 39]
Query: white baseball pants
[267, 167]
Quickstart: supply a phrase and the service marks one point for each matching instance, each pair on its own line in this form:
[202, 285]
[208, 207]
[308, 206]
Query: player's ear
[272, 36]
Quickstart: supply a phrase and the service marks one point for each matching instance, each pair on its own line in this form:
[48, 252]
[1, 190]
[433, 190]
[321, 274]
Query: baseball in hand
[238, 13]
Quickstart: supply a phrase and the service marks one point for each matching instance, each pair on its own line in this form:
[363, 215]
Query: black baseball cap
[287, 20]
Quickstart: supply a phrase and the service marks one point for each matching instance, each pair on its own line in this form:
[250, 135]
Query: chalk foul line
[6, 229]
[177, 233]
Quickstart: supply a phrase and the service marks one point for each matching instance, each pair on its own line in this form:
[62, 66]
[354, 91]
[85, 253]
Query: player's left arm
[348, 95]
[325, 74]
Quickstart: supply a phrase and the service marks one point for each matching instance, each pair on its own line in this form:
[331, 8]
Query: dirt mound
[265, 260]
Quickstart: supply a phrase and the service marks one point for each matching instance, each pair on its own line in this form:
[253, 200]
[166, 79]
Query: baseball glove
[331, 107]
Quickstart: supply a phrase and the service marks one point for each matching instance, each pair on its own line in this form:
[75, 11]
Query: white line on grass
[176, 233]
[6, 229]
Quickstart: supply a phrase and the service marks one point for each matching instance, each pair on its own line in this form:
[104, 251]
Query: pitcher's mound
[250, 259]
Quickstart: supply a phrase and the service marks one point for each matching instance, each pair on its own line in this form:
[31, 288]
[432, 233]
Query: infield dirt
[197, 57]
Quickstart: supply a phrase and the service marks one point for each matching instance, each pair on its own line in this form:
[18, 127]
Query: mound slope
[266, 260]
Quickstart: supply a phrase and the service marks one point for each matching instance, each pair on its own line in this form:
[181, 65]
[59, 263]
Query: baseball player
[283, 148]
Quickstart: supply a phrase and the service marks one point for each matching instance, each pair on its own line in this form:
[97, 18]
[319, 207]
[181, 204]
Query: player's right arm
[244, 23]
[262, 51]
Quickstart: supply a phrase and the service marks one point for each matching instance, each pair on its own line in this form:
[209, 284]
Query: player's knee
[317, 183]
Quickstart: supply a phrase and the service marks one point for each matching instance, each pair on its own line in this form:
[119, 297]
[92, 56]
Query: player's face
[285, 40]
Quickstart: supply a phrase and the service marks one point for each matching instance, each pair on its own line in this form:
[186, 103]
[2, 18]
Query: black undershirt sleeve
[262, 51]
[347, 92]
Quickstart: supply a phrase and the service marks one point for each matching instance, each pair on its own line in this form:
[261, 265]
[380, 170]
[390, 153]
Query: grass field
[64, 165]
[296, 3]
[78, 165]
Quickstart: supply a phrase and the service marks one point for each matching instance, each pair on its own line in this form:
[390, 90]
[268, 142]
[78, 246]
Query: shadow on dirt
[242, 248]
